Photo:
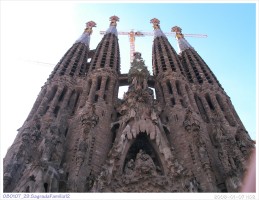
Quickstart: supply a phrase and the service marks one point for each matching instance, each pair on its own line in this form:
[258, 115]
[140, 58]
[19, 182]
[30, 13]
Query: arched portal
[143, 143]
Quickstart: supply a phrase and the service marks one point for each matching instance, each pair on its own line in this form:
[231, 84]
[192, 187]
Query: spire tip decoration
[112, 29]
[85, 37]
[114, 19]
[182, 43]
[89, 26]
[155, 23]
[178, 32]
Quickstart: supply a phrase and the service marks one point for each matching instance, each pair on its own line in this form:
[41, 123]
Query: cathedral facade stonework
[173, 131]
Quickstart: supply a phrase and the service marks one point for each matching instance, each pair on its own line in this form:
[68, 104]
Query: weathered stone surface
[79, 137]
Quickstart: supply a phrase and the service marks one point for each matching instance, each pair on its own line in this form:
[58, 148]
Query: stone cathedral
[174, 130]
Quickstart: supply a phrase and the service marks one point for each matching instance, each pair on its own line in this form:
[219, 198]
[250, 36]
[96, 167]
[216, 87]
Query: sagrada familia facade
[80, 137]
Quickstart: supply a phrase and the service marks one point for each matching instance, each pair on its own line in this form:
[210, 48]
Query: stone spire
[112, 29]
[107, 53]
[195, 67]
[74, 62]
[157, 31]
[182, 42]
[164, 56]
[85, 37]
[138, 73]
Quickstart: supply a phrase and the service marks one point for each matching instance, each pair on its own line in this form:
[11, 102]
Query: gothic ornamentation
[89, 26]
[88, 118]
[191, 123]
[243, 141]
[155, 23]
[80, 137]
[114, 19]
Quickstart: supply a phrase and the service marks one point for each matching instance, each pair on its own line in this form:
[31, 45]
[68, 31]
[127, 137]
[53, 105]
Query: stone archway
[143, 144]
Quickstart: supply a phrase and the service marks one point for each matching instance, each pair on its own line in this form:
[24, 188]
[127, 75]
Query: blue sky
[35, 35]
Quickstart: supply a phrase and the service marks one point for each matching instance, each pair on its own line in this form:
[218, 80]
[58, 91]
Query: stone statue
[52, 144]
[88, 118]
[145, 164]
[129, 168]
[191, 123]
[89, 181]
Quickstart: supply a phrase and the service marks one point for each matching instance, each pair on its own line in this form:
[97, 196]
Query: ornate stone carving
[144, 164]
[114, 19]
[155, 23]
[89, 182]
[191, 123]
[52, 145]
[244, 143]
[137, 154]
[88, 118]
[89, 27]
[130, 166]
[219, 133]
[81, 152]
[224, 160]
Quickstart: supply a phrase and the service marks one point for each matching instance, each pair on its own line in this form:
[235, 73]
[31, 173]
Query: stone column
[92, 90]
[175, 93]
[102, 89]
[37, 103]
[55, 100]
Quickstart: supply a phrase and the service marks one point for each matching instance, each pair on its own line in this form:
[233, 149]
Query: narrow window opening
[56, 111]
[96, 98]
[52, 94]
[219, 100]
[99, 81]
[209, 102]
[162, 92]
[183, 103]
[222, 187]
[72, 103]
[76, 101]
[114, 132]
[46, 187]
[201, 108]
[71, 99]
[89, 87]
[172, 101]
[27, 189]
[46, 109]
[62, 94]
[66, 131]
[177, 83]
[107, 83]
[169, 87]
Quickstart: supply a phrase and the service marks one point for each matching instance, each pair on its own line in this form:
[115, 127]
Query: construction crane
[133, 34]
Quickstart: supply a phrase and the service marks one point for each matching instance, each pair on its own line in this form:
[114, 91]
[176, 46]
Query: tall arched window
[201, 108]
